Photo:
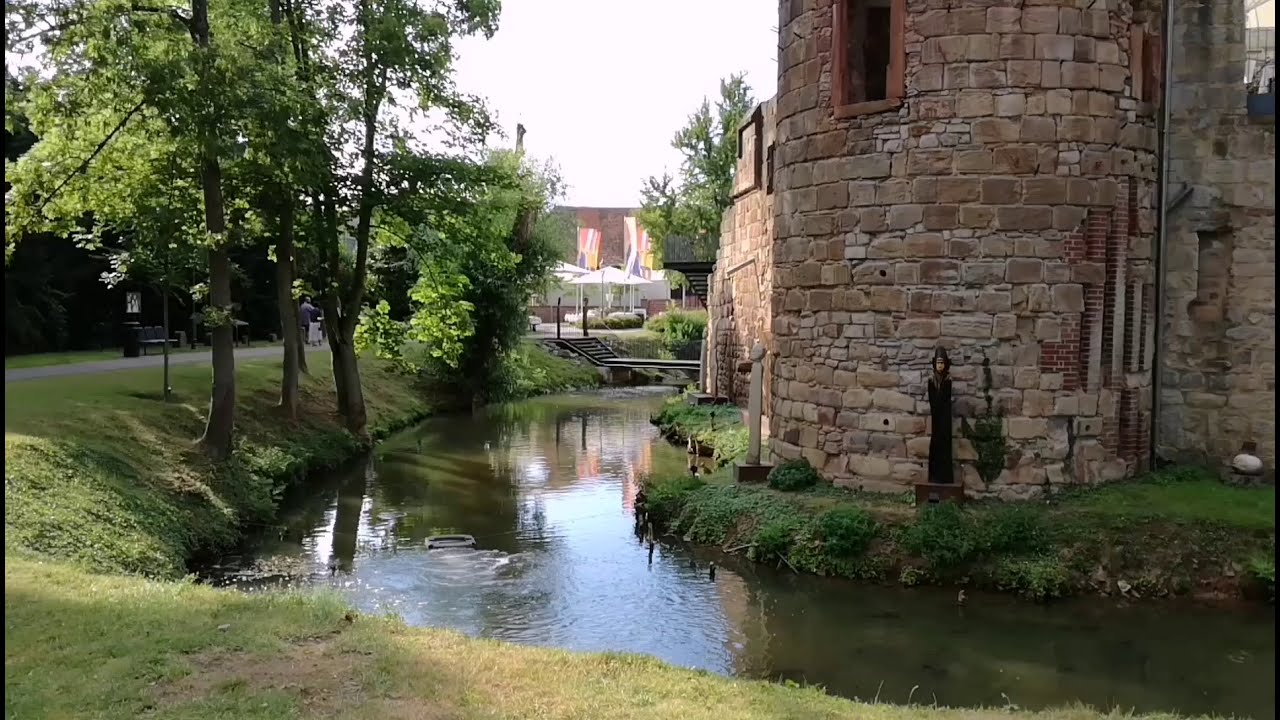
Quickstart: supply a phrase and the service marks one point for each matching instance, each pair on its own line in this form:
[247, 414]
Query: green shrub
[665, 497]
[1262, 568]
[846, 531]
[1038, 578]
[679, 327]
[619, 322]
[793, 475]
[773, 538]
[1012, 528]
[943, 535]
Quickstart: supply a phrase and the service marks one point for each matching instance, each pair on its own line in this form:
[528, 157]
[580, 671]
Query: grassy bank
[716, 430]
[101, 471]
[1177, 532]
[80, 645]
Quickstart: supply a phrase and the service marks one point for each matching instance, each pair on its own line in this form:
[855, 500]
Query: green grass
[100, 470]
[716, 428]
[1175, 532]
[77, 357]
[83, 645]
[536, 372]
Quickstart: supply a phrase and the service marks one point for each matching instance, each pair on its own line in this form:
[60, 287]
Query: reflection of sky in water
[546, 488]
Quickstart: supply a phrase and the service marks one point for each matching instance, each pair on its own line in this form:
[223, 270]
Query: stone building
[981, 175]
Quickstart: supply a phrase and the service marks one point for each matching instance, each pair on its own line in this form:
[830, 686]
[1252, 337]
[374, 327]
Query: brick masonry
[1217, 344]
[1003, 210]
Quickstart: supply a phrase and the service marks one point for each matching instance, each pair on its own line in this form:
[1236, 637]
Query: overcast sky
[602, 85]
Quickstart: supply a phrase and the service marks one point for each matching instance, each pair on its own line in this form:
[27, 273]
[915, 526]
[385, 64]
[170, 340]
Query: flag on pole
[589, 248]
[639, 251]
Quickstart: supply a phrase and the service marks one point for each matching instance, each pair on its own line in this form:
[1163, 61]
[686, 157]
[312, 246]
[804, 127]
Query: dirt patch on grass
[324, 679]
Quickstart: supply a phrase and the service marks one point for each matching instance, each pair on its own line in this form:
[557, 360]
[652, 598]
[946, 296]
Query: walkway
[138, 363]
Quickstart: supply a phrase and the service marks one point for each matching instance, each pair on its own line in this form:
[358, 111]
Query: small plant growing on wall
[986, 432]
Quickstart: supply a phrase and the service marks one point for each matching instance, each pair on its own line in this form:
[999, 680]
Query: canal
[546, 487]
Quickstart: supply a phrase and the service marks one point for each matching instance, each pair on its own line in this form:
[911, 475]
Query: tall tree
[107, 65]
[391, 75]
[690, 206]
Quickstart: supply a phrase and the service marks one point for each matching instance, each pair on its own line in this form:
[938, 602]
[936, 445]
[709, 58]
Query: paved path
[138, 363]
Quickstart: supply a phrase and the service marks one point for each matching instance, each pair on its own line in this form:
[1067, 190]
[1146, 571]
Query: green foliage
[668, 495]
[1036, 578]
[529, 370]
[691, 207]
[774, 537]
[718, 427]
[846, 531]
[793, 475]
[986, 433]
[619, 322]
[677, 328]
[947, 536]
[1262, 568]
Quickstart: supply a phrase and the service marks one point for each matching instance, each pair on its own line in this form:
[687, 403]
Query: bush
[1262, 568]
[846, 532]
[678, 327]
[793, 475]
[1037, 578]
[948, 536]
[773, 538]
[665, 498]
[617, 321]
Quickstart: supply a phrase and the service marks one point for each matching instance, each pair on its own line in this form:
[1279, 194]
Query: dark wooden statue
[941, 468]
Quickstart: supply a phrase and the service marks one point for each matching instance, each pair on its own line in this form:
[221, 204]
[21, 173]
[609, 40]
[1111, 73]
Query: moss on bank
[101, 471]
[81, 645]
[1176, 532]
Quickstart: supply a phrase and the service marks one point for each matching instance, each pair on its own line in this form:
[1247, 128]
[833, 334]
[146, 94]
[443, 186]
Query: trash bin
[132, 346]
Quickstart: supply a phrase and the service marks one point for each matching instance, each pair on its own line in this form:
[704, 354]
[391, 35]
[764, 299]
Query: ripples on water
[546, 488]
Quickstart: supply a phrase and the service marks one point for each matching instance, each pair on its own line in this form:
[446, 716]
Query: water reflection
[546, 487]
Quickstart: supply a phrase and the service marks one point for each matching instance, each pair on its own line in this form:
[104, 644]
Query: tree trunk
[222, 402]
[290, 323]
[334, 334]
[349, 369]
[164, 320]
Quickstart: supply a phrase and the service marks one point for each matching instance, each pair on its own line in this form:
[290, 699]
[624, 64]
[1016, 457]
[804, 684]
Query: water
[546, 487]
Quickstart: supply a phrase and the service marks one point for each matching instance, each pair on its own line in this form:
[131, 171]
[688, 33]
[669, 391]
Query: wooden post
[558, 317]
[754, 402]
[586, 305]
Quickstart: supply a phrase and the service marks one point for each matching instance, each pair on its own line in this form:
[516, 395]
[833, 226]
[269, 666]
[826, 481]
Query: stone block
[874, 165]
[1085, 49]
[1051, 73]
[1000, 191]
[967, 326]
[1068, 298]
[869, 466]
[1079, 75]
[1058, 102]
[1024, 73]
[1055, 47]
[958, 189]
[893, 192]
[987, 75]
[986, 272]
[1011, 105]
[1088, 273]
[1005, 326]
[1017, 47]
[976, 216]
[973, 161]
[1048, 330]
[1037, 20]
[929, 162]
[1073, 128]
[889, 299]
[885, 399]
[1024, 270]
[994, 301]
[1024, 218]
[877, 378]
[981, 47]
[902, 217]
[1112, 78]
[1038, 129]
[940, 217]
[1044, 190]
[967, 22]
[833, 196]
[995, 130]
[974, 104]
[1015, 160]
[939, 272]
[1004, 19]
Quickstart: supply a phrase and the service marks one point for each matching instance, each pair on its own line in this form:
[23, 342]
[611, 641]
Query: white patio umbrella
[607, 276]
[564, 272]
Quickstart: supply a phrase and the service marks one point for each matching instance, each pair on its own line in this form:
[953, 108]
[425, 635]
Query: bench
[153, 335]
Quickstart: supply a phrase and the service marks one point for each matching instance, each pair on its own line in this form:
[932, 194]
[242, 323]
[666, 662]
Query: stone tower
[975, 174]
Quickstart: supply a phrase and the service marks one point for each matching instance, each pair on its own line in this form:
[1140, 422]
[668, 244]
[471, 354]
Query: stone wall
[1218, 333]
[741, 285]
[1002, 208]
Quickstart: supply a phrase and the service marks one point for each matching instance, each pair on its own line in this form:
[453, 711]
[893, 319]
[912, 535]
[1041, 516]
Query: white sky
[603, 85]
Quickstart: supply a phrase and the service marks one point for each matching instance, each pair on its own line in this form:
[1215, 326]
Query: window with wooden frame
[868, 56]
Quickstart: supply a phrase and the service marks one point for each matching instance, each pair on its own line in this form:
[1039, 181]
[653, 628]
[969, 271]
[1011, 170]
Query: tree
[691, 207]
[397, 60]
[109, 65]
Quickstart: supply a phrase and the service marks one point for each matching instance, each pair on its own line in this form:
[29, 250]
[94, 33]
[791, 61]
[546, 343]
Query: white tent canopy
[606, 276]
[567, 269]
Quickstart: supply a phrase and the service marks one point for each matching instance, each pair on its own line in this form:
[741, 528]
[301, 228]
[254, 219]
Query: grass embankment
[715, 430]
[81, 645]
[1175, 532]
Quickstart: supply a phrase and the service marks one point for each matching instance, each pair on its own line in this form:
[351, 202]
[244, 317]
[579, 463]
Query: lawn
[81, 645]
[101, 470]
[75, 357]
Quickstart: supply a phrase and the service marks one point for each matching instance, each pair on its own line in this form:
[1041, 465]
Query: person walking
[307, 318]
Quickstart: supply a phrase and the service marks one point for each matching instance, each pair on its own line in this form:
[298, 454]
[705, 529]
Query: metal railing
[654, 348]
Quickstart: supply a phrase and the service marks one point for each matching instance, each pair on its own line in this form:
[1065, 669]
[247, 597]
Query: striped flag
[639, 251]
[589, 248]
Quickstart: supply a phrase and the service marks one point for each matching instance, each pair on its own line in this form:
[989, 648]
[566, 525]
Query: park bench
[153, 335]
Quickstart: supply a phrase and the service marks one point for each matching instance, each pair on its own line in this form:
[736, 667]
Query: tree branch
[84, 165]
[174, 13]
